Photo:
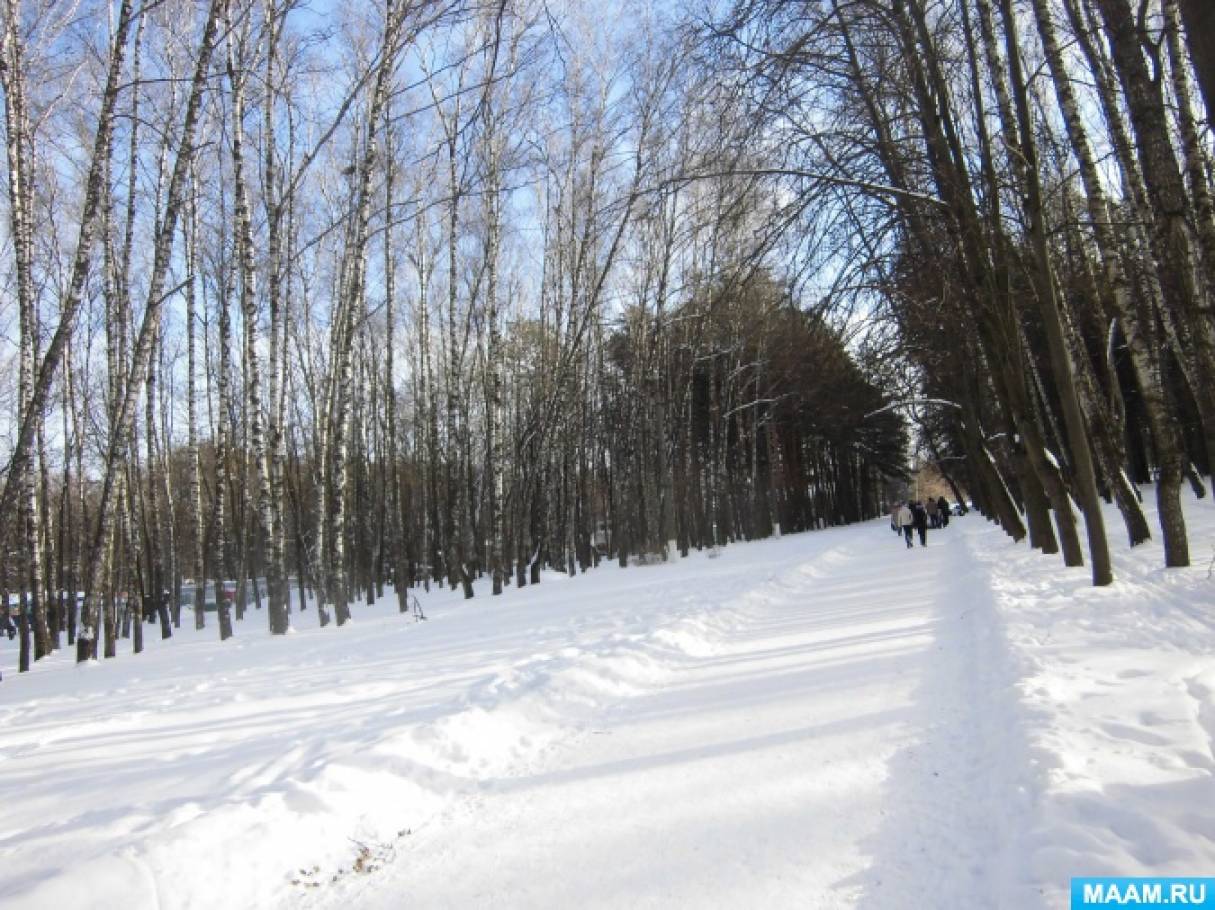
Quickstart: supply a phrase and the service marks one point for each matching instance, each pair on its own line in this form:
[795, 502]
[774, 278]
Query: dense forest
[431, 292]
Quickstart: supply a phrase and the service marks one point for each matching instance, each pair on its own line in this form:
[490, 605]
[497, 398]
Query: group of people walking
[917, 516]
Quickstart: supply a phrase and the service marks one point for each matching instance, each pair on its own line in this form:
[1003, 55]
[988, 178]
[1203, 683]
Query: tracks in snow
[833, 736]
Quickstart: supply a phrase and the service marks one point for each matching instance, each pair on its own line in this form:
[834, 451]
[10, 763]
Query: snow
[822, 720]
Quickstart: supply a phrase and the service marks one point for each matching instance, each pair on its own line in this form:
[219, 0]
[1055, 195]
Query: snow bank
[208, 774]
[1116, 688]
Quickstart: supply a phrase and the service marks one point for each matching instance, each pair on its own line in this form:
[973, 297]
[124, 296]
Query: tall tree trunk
[143, 349]
[493, 404]
[351, 305]
[221, 523]
[1196, 163]
[278, 612]
[1199, 18]
[1144, 360]
[1052, 319]
[19, 142]
[1172, 239]
[95, 189]
[265, 512]
[193, 453]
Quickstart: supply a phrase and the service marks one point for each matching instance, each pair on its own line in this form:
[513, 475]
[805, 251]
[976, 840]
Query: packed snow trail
[710, 728]
[824, 720]
[827, 751]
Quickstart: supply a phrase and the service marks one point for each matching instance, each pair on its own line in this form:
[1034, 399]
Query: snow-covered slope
[825, 720]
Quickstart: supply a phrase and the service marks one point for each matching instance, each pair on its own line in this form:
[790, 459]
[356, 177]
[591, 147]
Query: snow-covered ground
[824, 720]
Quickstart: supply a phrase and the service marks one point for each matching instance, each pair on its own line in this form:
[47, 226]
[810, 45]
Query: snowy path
[826, 752]
[824, 720]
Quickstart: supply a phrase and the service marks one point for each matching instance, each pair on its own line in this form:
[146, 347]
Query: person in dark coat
[943, 511]
[919, 518]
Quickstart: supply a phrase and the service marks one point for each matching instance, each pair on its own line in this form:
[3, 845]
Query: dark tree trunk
[1199, 19]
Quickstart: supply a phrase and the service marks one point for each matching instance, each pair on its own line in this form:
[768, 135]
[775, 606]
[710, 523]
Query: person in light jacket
[905, 522]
